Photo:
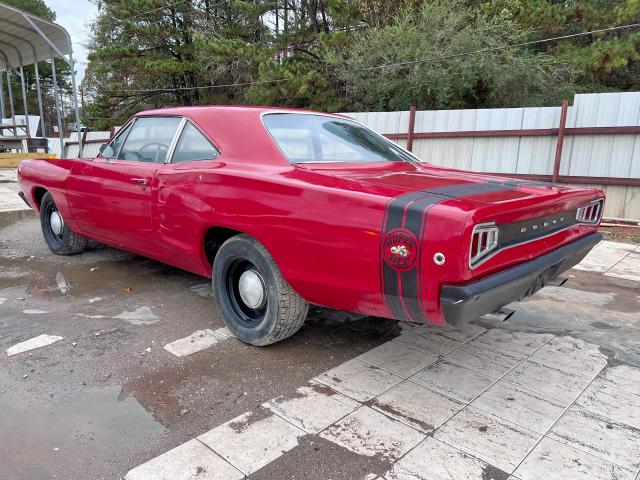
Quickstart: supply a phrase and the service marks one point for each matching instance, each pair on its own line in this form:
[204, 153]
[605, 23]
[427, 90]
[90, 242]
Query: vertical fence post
[559, 144]
[412, 123]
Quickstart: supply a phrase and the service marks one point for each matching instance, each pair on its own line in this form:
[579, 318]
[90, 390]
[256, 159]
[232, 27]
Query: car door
[182, 184]
[114, 192]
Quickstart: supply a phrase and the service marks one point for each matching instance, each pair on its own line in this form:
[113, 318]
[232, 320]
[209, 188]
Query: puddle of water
[79, 426]
[140, 316]
[202, 290]
[13, 216]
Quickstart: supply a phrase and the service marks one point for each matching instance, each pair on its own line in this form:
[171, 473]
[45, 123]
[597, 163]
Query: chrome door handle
[141, 181]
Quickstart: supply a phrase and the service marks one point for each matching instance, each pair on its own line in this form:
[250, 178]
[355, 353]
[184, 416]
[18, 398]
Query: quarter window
[193, 146]
[149, 139]
[111, 150]
[308, 138]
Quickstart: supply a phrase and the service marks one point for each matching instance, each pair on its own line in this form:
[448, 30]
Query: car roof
[230, 126]
[234, 109]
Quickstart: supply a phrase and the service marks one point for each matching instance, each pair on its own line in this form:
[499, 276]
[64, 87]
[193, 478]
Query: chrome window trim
[336, 116]
[135, 119]
[180, 129]
[122, 131]
[174, 141]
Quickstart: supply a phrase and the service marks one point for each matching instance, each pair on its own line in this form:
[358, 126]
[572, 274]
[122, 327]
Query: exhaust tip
[557, 281]
[500, 315]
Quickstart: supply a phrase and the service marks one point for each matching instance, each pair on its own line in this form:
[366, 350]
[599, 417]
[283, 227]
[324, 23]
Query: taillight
[484, 239]
[591, 213]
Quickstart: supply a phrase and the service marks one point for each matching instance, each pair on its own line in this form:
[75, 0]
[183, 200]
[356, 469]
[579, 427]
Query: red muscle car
[284, 208]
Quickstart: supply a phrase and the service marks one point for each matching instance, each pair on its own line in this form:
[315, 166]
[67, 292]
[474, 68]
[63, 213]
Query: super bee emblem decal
[400, 249]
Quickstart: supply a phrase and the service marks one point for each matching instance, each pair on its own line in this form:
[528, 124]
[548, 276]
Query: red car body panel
[324, 224]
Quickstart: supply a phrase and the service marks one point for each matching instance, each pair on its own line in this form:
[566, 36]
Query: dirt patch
[627, 234]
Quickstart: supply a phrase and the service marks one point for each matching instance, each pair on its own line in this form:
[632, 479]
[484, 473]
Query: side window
[193, 146]
[111, 150]
[149, 139]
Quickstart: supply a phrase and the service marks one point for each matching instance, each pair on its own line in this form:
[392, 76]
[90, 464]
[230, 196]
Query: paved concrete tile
[437, 340]
[224, 332]
[553, 460]
[417, 406]
[548, 381]
[605, 438]
[428, 341]
[625, 377]
[33, 343]
[407, 326]
[188, 461]
[488, 437]
[571, 355]
[481, 358]
[9, 199]
[195, 342]
[398, 358]
[314, 408]
[250, 444]
[628, 268]
[604, 398]
[513, 342]
[452, 380]
[462, 333]
[358, 380]
[370, 433]
[523, 407]
[604, 256]
[434, 460]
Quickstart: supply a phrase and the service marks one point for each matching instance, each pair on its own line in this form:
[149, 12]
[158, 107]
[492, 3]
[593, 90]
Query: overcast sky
[74, 16]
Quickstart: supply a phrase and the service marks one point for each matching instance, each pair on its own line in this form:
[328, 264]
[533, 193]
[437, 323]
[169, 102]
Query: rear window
[305, 138]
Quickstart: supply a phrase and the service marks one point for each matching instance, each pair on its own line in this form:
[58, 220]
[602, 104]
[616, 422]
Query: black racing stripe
[415, 212]
[396, 209]
[392, 292]
[410, 211]
[409, 281]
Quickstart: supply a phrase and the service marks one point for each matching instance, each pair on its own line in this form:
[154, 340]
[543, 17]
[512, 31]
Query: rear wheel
[59, 237]
[255, 301]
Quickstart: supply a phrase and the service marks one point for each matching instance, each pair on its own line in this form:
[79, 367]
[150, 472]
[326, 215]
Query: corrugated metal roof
[24, 35]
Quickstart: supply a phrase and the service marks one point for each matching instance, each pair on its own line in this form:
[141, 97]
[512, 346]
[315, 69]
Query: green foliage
[343, 54]
[601, 61]
[35, 7]
[440, 31]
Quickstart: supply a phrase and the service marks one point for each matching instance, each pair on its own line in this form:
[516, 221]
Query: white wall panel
[496, 154]
[534, 151]
[595, 155]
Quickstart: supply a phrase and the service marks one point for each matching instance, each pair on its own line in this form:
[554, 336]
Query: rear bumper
[463, 303]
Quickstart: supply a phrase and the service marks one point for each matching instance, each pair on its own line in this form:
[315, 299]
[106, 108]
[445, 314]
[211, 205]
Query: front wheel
[255, 301]
[59, 237]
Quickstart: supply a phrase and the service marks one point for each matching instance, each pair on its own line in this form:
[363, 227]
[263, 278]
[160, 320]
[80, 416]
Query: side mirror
[102, 147]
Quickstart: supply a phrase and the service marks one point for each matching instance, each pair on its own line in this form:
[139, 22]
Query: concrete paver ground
[146, 383]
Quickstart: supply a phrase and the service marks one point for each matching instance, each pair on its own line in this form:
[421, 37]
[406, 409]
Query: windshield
[305, 138]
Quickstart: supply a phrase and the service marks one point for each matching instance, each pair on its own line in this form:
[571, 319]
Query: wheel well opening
[38, 193]
[214, 238]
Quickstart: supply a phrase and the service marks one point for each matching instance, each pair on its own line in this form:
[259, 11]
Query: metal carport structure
[24, 40]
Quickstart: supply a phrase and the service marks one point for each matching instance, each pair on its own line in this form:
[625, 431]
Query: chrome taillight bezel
[483, 248]
[590, 214]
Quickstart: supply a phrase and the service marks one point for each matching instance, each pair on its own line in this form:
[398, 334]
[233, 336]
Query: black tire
[65, 243]
[283, 312]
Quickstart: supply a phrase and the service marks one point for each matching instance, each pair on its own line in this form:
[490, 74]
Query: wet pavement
[108, 397]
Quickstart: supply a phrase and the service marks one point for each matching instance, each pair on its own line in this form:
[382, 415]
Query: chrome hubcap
[56, 222]
[251, 289]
